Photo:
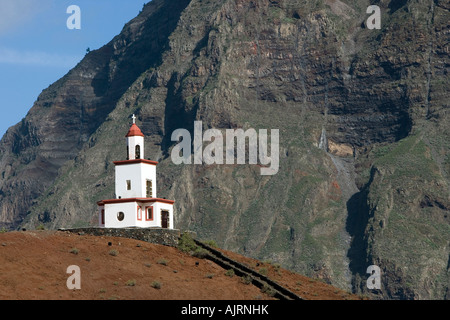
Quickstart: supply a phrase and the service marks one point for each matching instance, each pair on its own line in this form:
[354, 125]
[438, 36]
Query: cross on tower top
[134, 118]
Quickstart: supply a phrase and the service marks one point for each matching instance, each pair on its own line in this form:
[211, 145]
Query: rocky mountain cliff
[363, 119]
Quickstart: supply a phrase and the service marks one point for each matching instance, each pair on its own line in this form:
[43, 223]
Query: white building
[136, 203]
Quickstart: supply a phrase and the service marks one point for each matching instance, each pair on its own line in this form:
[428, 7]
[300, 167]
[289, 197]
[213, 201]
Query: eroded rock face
[305, 68]
[67, 113]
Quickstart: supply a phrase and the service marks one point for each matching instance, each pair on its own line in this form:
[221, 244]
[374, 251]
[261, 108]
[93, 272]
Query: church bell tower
[135, 142]
[136, 203]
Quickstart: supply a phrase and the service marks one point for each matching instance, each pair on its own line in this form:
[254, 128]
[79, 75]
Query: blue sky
[37, 48]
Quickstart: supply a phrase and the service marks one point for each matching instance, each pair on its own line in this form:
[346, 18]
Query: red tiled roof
[134, 131]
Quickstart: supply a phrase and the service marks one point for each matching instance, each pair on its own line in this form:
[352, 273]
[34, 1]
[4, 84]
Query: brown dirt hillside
[33, 266]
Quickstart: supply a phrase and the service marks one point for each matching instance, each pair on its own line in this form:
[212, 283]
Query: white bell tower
[136, 203]
[135, 142]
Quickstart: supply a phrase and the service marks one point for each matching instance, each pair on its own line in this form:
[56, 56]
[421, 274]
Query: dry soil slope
[34, 265]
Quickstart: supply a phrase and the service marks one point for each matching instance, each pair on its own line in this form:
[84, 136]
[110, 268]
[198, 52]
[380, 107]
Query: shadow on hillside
[357, 219]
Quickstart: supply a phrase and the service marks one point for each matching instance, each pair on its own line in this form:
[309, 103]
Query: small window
[149, 189]
[149, 213]
[128, 184]
[120, 216]
[139, 213]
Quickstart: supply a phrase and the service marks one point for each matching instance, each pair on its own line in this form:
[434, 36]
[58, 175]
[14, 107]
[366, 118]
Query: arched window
[138, 152]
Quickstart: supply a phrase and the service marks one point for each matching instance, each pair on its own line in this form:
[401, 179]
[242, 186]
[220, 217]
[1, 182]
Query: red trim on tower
[139, 213]
[133, 161]
[146, 200]
[134, 131]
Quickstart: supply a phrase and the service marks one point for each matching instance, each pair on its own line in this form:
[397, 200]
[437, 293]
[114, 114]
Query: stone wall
[167, 237]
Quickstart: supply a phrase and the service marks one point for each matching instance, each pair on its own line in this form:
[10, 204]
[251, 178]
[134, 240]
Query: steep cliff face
[67, 113]
[376, 193]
